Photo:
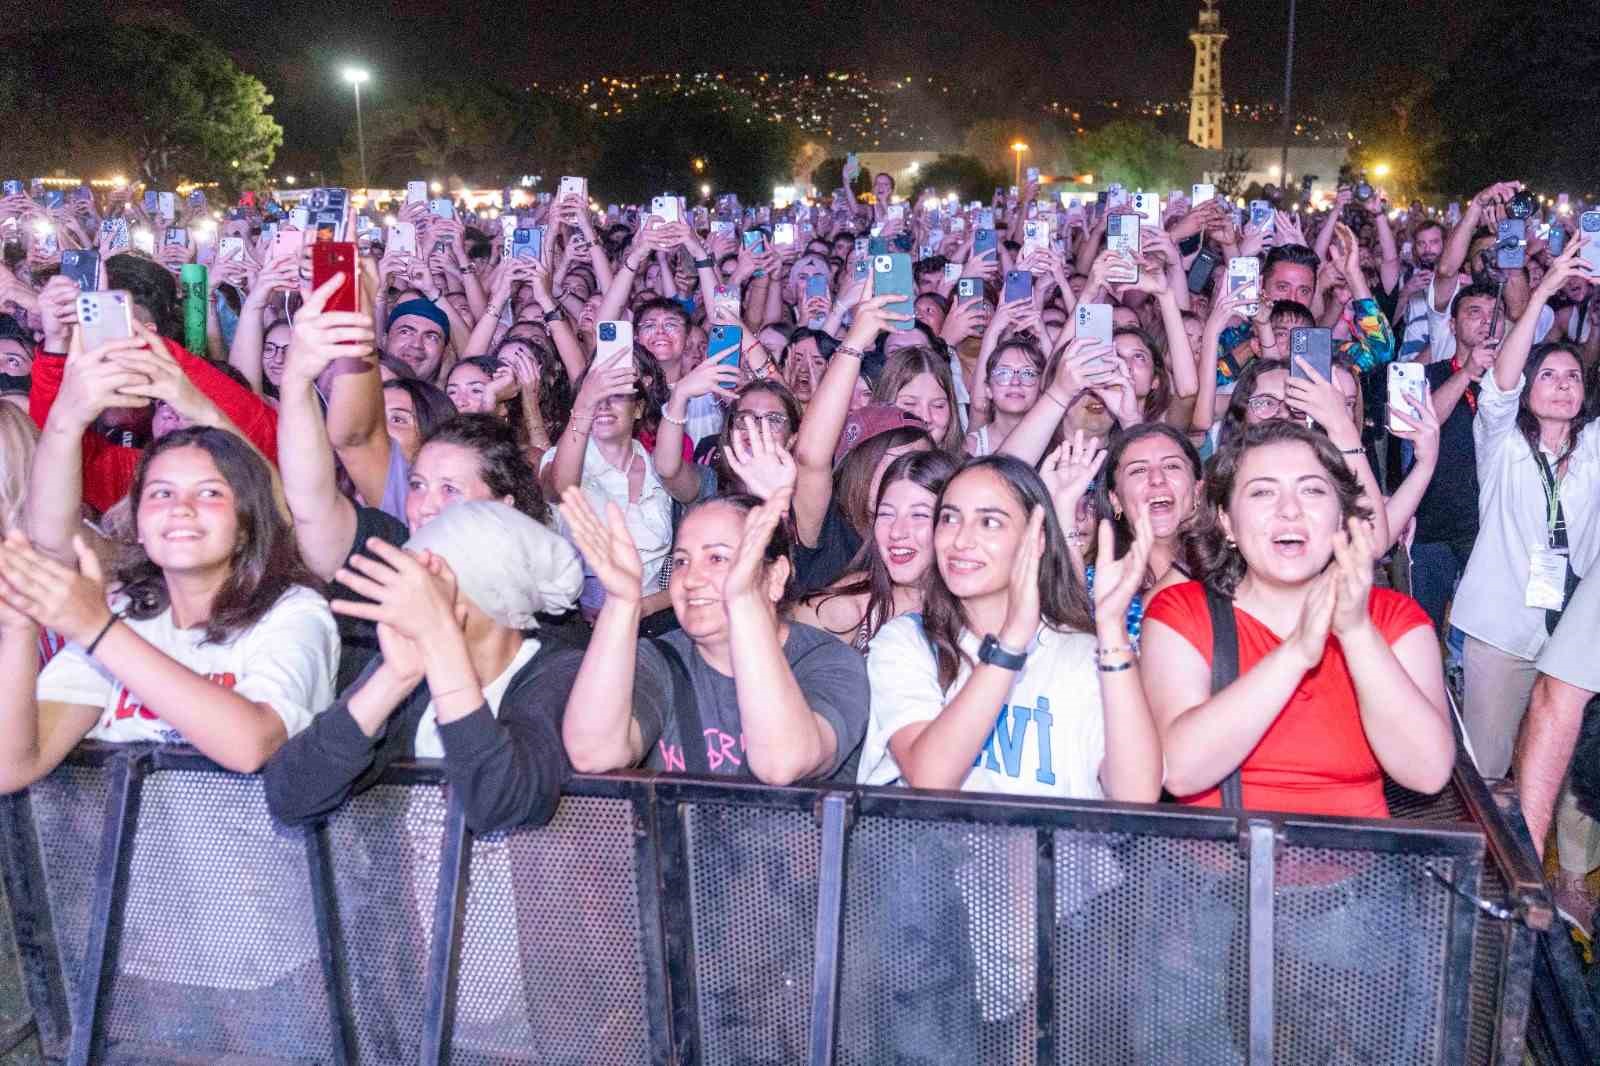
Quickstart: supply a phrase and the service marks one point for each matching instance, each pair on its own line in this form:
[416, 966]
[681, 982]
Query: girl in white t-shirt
[995, 686]
[212, 634]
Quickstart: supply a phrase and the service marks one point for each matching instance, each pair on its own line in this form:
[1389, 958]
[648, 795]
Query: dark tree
[962, 174]
[829, 174]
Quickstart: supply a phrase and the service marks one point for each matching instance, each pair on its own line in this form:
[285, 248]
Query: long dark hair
[430, 403]
[1234, 418]
[719, 460]
[1528, 425]
[501, 463]
[1121, 440]
[1216, 558]
[852, 482]
[930, 470]
[1160, 394]
[555, 386]
[1063, 601]
[265, 562]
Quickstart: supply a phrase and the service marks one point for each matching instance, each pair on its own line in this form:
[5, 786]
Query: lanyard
[1555, 520]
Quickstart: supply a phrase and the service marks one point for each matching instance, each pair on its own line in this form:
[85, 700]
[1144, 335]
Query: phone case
[614, 340]
[104, 316]
[82, 266]
[334, 257]
[1313, 344]
[1405, 386]
[724, 344]
[1019, 285]
[892, 274]
[1094, 322]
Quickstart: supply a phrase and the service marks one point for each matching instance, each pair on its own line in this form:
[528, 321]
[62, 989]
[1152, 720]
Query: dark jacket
[508, 770]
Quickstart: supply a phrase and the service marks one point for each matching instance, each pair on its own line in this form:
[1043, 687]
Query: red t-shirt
[1315, 758]
[108, 468]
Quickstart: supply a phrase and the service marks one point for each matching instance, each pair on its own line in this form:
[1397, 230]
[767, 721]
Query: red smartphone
[333, 257]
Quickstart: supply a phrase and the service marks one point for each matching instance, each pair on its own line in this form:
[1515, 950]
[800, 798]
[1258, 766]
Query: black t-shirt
[358, 636]
[1448, 512]
[837, 544]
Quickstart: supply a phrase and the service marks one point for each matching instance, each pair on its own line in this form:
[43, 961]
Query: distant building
[1205, 97]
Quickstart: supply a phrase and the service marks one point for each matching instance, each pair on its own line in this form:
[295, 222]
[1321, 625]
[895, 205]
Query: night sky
[1132, 49]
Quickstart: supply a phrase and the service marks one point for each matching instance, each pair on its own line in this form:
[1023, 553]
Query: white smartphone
[105, 316]
[783, 234]
[614, 341]
[1035, 236]
[1589, 228]
[402, 239]
[416, 192]
[1407, 389]
[1094, 322]
[666, 209]
[167, 205]
[1200, 193]
[230, 247]
[1148, 205]
[571, 186]
[1122, 235]
[1244, 272]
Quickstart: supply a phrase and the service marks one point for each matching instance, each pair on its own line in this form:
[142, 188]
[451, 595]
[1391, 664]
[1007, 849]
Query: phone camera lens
[1521, 205]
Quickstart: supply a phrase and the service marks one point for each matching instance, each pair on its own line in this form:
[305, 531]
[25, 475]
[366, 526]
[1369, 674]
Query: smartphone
[54, 199]
[1035, 237]
[1094, 322]
[167, 205]
[416, 192]
[754, 240]
[402, 239]
[958, 224]
[335, 257]
[230, 247]
[526, 242]
[1122, 235]
[952, 271]
[724, 344]
[287, 244]
[1557, 239]
[1200, 271]
[816, 286]
[892, 274]
[1589, 227]
[1200, 192]
[969, 288]
[726, 299]
[1406, 390]
[115, 232]
[1314, 345]
[983, 241]
[144, 240]
[1244, 273]
[665, 208]
[1510, 252]
[1148, 206]
[571, 186]
[877, 246]
[1116, 196]
[442, 207]
[1452, 213]
[986, 218]
[783, 234]
[150, 201]
[1019, 286]
[11, 187]
[105, 316]
[83, 267]
[1261, 215]
[614, 341]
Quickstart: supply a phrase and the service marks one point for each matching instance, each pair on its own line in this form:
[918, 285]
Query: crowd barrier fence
[161, 915]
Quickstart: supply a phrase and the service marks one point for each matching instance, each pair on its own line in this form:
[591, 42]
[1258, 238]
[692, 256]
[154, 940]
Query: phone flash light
[43, 228]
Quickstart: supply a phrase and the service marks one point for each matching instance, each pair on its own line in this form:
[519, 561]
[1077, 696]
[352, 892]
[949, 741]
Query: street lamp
[357, 77]
[1018, 147]
[1381, 170]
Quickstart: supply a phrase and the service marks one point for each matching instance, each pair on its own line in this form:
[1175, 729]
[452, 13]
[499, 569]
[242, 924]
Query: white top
[287, 660]
[1511, 524]
[1433, 324]
[649, 520]
[705, 415]
[429, 745]
[1048, 738]
[196, 914]
[963, 397]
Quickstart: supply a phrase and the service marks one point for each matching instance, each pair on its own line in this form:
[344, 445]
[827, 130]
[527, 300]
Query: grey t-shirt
[831, 674]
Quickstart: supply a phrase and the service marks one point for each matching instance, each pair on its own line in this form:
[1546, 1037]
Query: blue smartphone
[892, 274]
[1019, 286]
[724, 344]
[983, 241]
[816, 286]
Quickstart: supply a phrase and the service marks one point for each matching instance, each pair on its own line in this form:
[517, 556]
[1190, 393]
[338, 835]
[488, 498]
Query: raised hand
[1353, 556]
[1117, 581]
[69, 600]
[743, 582]
[1022, 609]
[607, 547]
[765, 467]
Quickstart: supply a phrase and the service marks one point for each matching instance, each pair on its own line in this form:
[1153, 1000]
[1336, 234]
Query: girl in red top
[1338, 683]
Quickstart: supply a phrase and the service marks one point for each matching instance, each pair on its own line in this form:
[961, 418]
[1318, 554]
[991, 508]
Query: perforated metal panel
[1360, 957]
[1150, 959]
[753, 891]
[218, 952]
[384, 847]
[69, 817]
[551, 969]
[939, 965]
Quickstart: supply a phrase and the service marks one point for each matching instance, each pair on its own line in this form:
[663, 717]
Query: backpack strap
[685, 710]
[1224, 671]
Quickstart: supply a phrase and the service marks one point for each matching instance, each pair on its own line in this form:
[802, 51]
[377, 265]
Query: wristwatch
[991, 652]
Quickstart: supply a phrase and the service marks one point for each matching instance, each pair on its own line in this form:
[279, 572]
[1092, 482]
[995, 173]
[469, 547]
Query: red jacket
[108, 468]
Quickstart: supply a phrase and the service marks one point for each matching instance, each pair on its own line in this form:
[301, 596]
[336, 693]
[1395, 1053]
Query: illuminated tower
[1205, 98]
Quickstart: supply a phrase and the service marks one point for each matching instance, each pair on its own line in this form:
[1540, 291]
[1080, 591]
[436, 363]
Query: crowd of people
[883, 490]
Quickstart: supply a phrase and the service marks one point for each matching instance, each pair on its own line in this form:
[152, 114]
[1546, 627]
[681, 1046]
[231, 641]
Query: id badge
[1547, 580]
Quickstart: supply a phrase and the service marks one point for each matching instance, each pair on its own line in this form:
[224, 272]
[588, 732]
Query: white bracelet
[666, 416]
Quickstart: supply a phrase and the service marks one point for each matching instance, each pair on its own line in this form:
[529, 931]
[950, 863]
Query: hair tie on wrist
[98, 637]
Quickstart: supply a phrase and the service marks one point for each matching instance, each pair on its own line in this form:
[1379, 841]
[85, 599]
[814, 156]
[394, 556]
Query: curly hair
[1217, 560]
[1118, 443]
[501, 463]
[265, 563]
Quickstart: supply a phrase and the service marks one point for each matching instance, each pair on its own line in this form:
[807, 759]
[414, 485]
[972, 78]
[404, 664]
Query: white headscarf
[511, 567]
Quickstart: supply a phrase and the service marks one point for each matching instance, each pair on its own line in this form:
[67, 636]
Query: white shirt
[287, 660]
[196, 915]
[1048, 737]
[429, 745]
[1442, 339]
[705, 415]
[1512, 511]
[649, 520]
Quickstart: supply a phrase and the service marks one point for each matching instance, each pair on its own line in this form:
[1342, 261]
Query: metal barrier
[162, 916]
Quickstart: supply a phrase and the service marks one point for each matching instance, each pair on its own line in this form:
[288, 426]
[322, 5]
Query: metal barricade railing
[161, 915]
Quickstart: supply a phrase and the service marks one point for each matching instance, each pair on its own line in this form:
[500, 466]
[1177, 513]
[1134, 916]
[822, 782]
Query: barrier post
[444, 951]
[326, 918]
[1045, 944]
[1262, 839]
[836, 809]
[31, 928]
[652, 935]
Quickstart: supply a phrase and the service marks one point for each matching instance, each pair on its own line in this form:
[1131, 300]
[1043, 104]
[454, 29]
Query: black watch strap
[992, 653]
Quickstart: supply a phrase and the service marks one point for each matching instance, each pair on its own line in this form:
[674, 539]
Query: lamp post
[1018, 147]
[358, 77]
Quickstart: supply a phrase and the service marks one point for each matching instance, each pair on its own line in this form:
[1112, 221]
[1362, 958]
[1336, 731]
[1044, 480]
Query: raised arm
[1514, 350]
[681, 479]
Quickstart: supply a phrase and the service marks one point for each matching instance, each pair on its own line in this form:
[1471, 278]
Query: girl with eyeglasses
[1010, 387]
